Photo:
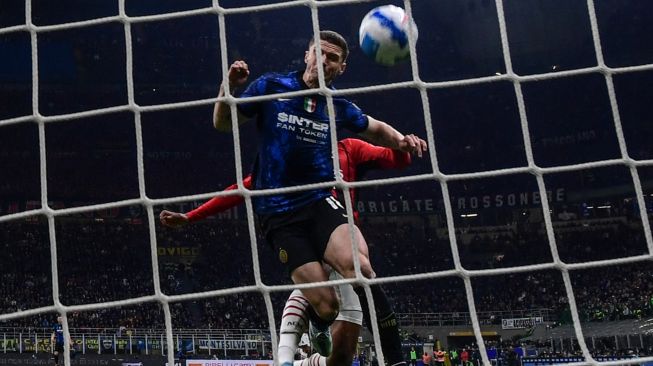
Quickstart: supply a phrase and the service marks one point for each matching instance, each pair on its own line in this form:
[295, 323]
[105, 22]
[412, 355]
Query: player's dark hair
[333, 38]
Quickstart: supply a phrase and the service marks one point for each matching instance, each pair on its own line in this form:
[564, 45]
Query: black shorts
[58, 347]
[301, 236]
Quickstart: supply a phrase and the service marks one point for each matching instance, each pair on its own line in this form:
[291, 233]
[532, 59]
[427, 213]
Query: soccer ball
[383, 34]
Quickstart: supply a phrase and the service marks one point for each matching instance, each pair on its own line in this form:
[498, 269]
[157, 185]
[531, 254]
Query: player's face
[332, 62]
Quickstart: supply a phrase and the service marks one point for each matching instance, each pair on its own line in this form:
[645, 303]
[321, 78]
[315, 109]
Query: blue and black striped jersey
[294, 140]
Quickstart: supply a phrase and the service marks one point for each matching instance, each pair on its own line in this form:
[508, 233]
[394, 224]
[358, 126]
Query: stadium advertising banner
[520, 323]
[546, 361]
[229, 363]
[91, 344]
[428, 205]
[226, 344]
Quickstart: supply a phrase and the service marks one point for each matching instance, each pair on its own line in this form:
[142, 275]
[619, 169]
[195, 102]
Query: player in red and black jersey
[356, 158]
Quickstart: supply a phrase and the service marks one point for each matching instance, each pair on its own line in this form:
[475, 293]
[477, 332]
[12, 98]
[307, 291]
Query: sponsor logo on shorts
[283, 256]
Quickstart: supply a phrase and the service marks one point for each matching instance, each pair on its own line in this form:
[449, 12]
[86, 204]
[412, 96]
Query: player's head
[334, 57]
[59, 319]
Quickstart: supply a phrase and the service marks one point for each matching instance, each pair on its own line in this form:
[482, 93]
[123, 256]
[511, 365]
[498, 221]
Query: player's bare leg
[338, 253]
[345, 333]
[345, 339]
[323, 299]
[324, 304]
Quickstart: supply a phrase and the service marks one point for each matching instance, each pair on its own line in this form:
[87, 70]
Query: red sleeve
[219, 204]
[384, 158]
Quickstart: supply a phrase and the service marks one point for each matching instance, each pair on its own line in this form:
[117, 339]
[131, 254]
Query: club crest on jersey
[310, 103]
[283, 256]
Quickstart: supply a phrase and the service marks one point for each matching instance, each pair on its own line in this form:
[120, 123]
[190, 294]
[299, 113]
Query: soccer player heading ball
[308, 228]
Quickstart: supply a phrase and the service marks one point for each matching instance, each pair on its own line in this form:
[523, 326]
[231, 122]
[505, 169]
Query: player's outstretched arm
[238, 74]
[213, 206]
[382, 134]
[381, 157]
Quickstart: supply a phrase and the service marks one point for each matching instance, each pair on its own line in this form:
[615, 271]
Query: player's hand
[238, 73]
[173, 219]
[413, 144]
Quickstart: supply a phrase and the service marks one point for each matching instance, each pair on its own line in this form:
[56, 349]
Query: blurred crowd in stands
[102, 260]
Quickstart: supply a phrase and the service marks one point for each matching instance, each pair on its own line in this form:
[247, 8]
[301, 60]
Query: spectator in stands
[453, 356]
[413, 356]
[464, 357]
[426, 359]
[439, 356]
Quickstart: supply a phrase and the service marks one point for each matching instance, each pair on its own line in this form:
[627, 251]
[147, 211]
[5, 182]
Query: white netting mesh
[436, 174]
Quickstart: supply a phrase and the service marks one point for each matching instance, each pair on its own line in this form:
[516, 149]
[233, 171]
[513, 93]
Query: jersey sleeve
[353, 117]
[256, 88]
[383, 157]
[219, 204]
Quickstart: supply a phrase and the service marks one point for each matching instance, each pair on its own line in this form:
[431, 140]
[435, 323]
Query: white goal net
[435, 175]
